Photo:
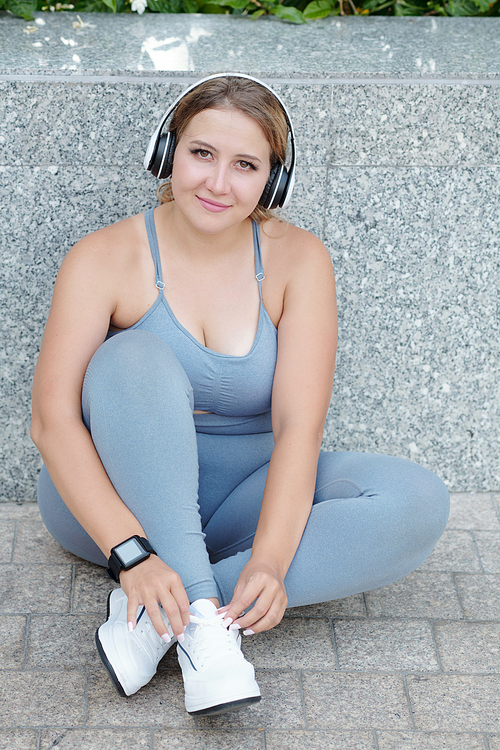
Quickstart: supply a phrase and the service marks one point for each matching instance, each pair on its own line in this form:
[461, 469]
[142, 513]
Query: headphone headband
[277, 191]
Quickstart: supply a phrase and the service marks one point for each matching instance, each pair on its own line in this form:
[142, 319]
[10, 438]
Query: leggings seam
[336, 481]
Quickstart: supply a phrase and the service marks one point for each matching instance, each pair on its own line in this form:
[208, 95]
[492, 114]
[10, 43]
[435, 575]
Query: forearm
[79, 476]
[288, 497]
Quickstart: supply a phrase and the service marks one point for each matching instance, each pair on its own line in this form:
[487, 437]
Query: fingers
[176, 607]
[171, 609]
[268, 596]
[156, 586]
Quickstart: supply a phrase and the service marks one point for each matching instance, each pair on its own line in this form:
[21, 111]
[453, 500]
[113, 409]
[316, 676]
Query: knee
[132, 362]
[407, 504]
[420, 506]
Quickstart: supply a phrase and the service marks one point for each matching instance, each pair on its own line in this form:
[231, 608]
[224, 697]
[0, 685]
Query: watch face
[130, 552]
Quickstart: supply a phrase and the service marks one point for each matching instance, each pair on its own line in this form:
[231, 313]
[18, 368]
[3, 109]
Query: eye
[247, 165]
[201, 152]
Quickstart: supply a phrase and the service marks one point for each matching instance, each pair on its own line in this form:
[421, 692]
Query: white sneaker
[217, 677]
[130, 658]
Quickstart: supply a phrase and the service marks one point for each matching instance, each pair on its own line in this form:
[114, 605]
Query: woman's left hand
[262, 584]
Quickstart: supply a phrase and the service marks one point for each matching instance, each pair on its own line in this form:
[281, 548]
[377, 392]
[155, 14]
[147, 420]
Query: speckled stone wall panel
[110, 123]
[43, 212]
[397, 172]
[72, 124]
[416, 256]
[410, 125]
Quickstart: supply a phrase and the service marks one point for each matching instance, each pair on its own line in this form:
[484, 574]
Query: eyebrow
[204, 144]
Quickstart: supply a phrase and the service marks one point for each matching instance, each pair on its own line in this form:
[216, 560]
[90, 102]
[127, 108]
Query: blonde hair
[244, 95]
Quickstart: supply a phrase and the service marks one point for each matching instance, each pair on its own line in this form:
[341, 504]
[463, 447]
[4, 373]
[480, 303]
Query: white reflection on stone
[172, 53]
[167, 54]
[196, 33]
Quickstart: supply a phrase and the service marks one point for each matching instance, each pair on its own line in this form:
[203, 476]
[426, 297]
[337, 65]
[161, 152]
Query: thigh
[230, 527]
[374, 519]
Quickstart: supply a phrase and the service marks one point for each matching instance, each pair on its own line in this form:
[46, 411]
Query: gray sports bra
[222, 383]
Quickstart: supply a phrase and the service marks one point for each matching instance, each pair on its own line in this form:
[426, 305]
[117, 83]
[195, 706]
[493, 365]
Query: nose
[218, 181]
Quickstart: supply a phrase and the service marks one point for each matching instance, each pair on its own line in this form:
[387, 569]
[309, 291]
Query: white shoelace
[213, 628]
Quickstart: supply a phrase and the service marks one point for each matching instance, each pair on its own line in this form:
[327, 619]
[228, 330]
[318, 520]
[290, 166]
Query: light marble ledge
[201, 44]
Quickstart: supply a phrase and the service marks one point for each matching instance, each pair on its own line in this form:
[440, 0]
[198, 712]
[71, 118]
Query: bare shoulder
[296, 249]
[105, 246]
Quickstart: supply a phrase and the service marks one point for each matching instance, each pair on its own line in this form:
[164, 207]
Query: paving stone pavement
[411, 666]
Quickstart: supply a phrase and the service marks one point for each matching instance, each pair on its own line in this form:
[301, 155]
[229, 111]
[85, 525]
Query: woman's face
[221, 166]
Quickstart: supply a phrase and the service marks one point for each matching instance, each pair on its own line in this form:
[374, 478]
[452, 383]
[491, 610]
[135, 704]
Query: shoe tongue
[203, 608]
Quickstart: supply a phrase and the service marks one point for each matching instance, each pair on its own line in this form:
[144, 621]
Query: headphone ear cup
[274, 193]
[164, 156]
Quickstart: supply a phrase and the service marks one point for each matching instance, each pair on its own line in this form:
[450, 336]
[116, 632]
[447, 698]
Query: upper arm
[82, 304]
[307, 338]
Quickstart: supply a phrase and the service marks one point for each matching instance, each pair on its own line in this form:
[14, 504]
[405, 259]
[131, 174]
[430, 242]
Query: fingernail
[130, 627]
[180, 637]
[165, 637]
[227, 622]
[248, 631]
[234, 627]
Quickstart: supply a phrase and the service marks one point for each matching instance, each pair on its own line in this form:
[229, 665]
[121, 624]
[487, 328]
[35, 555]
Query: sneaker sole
[105, 660]
[224, 708]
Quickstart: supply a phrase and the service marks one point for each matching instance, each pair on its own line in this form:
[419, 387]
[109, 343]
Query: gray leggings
[197, 489]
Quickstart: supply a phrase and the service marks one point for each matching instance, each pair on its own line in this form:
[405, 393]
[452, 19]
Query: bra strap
[153, 246]
[258, 254]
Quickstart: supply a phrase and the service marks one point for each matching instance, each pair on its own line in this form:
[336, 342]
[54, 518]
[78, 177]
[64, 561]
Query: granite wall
[398, 165]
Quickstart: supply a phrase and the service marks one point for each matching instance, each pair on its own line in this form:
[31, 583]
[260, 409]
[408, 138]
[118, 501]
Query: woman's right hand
[152, 583]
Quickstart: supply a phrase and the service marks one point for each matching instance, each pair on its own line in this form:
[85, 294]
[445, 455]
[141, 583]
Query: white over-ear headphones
[160, 151]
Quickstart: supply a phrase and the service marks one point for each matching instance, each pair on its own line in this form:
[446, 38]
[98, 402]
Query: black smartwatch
[126, 555]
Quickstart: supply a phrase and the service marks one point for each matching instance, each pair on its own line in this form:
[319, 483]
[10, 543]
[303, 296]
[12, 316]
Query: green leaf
[213, 8]
[288, 14]
[461, 8]
[239, 4]
[22, 8]
[230, 3]
[88, 6]
[257, 14]
[413, 8]
[374, 6]
[165, 6]
[437, 8]
[189, 6]
[111, 4]
[483, 5]
[318, 9]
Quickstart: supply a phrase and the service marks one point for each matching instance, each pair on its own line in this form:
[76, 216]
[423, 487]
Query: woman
[183, 453]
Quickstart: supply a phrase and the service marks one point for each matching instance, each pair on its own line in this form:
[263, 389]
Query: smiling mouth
[212, 205]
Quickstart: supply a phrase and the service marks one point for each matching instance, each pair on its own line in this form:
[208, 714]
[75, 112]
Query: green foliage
[165, 6]
[321, 9]
[290, 11]
[22, 8]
